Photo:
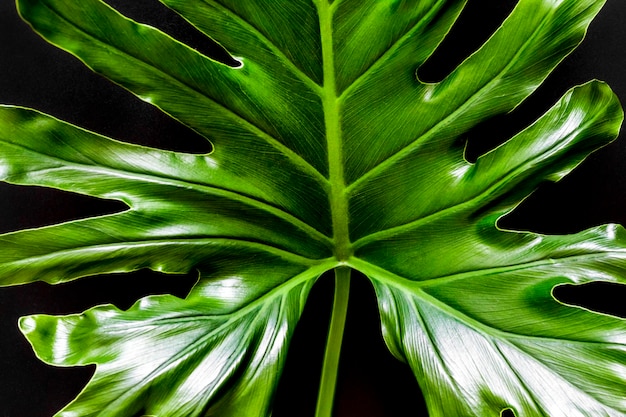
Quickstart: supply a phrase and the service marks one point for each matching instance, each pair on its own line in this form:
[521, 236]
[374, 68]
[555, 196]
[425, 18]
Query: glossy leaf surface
[327, 152]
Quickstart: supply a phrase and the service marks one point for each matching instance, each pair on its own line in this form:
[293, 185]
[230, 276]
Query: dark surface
[371, 382]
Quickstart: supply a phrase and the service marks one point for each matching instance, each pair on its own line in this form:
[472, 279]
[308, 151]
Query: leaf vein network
[254, 128]
[392, 47]
[272, 46]
[388, 162]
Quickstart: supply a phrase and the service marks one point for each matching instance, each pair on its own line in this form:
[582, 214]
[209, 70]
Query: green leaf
[328, 153]
[182, 354]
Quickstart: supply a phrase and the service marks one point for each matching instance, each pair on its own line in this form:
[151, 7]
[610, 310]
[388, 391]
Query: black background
[371, 382]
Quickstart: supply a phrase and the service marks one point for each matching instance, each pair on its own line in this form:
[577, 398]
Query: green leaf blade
[251, 30]
[494, 80]
[466, 369]
[218, 101]
[512, 329]
[186, 357]
[586, 118]
[55, 254]
[40, 150]
[371, 30]
[328, 153]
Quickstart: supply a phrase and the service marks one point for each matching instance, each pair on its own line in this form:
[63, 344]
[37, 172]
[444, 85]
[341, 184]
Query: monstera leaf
[328, 154]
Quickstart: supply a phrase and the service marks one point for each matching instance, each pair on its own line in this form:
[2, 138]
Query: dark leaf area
[38, 75]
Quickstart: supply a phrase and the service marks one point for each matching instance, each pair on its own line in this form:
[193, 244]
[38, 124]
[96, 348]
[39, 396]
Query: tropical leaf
[328, 154]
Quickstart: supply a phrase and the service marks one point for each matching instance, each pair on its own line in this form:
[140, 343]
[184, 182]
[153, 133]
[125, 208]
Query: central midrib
[330, 101]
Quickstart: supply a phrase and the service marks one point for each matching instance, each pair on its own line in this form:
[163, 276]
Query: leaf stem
[326, 395]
